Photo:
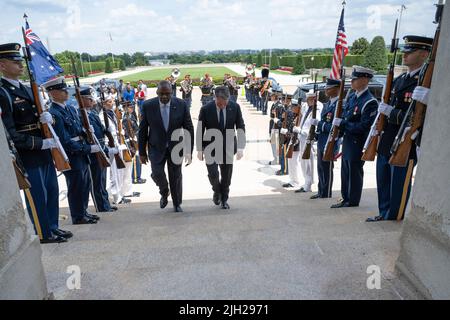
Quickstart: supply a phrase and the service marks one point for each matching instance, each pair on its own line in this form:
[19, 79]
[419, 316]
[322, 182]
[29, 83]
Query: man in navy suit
[221, 117]
[164, 119]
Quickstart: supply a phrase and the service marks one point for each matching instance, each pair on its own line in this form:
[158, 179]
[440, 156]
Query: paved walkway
[272, 244]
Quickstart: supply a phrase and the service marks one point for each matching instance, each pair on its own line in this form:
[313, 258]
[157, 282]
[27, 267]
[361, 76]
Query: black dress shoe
[287, 185]
[114, 208]
[225, 205]
[124, 201]
[375, 219]
[140, 181]
[84, 220]
[54, 239]
[92, 217]
[301, 190]
[109, 210]
[216, 198]
[62, 233]
[316, 196]
[177, 209]
[134, 195]
[340, 205]
[163, 202]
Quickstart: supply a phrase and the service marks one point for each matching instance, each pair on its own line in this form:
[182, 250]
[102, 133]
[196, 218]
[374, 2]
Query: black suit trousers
[175, 177]
[220, 182]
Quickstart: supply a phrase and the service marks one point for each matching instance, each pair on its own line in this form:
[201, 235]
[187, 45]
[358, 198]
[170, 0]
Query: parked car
[108, 82]
[376, 86]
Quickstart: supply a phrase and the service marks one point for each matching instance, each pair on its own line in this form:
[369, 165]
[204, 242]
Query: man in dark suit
[163, 121]
[217, 141]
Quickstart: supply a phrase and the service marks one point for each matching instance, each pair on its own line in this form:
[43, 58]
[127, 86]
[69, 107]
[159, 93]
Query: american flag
[42, 64]
[340, 50]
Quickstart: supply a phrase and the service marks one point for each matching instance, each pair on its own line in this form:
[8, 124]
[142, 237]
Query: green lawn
[196, 73]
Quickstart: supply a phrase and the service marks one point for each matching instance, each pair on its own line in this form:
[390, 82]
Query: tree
[299, 67]
[249, 59]
[259, 61]
[376, 56]
[122, 65]
[108, 66]
[360, 46]
[275, 63]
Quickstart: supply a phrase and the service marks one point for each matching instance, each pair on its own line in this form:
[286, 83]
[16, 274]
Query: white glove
[296, 130]
[122, 147]
[421, 94]
[112, 151]
[188, 159]
[284, 131]
[200, 155]
[337, 122]
[95, 148]
[413, 136]
[385, 109]
[48, 144]
[239, 154]
[312, 122]
[46, 118]
[91, 129]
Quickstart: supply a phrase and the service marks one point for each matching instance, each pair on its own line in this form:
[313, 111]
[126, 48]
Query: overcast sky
[176, 25]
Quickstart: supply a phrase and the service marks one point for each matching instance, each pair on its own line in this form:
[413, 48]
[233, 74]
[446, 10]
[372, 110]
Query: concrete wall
[425, 243]
[21, 271]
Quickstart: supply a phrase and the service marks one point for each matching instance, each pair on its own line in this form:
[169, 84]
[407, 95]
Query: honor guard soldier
[265, 86]
[73, 138]
[358, 115]
[98, 173]
[292, 113]
[274, 130]
[23, 125]
[307, 165]
[131, 129]
[324, 126]
[394, 183]
[282, 123]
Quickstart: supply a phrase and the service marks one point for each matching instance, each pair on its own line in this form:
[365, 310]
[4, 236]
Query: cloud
[173, 25]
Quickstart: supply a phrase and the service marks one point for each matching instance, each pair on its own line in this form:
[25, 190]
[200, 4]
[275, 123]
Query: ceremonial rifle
[133, 146]
[21, 174]
[312, 129]
[334, 133]
[371, 145]
[415, 115]
[126, 153]
[59, 155]
[91, 138]
[294, 139]
[111, 143]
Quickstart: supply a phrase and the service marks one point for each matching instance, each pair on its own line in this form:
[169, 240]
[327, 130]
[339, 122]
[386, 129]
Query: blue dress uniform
[358, 115]
[21, 120]
[73, 139]
[98, 174]
[394, 183]
[265, 96]
[325, 125]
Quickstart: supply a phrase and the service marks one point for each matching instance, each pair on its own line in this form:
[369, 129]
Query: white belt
[76, 139]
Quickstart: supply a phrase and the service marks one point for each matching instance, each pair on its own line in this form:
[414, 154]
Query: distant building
[159, 62]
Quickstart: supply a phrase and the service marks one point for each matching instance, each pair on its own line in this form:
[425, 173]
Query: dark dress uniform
[325, 168]
[358, 116]
[283, 142]
[73, 139]
[21, 120]
[97, 173]
[394, 183]
[129, 120]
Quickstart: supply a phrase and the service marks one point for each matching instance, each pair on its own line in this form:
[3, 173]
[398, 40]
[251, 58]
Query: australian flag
[42, 64]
